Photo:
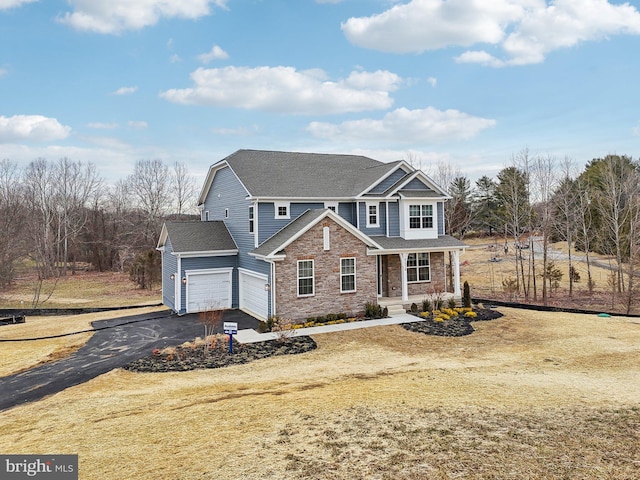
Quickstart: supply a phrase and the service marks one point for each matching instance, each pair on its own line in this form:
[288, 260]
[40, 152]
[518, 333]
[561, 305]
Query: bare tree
[11, 220]
[150, 187]
[184, 188]
[543, 179]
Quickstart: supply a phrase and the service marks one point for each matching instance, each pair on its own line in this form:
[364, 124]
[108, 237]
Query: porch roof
[197, 236]
[443, 243]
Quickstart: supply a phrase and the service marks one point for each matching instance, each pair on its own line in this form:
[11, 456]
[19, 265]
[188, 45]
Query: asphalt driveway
[126, 339]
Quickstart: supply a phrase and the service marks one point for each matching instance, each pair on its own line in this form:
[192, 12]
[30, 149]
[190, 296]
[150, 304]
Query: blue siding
[382, 219]
[394, 219]
[227, 192]
[416, 184]
[348, 212]
[388, 182]
[268, 224]
[440, 210]
[169, 266]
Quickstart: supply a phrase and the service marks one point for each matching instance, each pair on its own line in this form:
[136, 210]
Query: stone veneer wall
[327, 297]
[438, 280]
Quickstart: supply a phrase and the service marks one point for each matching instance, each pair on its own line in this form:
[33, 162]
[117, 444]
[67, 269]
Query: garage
[253, 295]
[208, 289]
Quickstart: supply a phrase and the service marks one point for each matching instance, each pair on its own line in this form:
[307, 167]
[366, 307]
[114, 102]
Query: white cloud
[102, 126]
[433, 81]
[31, 128]
[404, 125]
[3, 71]
[175, 58]
[7, 4]
[216, 53]
[636, 130]
[125, 90]
[115, 16]
[286, 90]
[525, 30]
[138, 124]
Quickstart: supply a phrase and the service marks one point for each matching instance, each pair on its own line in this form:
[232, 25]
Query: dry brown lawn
[529, 396]
[17, 356]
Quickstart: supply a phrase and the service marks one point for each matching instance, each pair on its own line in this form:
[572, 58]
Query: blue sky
[469, 83]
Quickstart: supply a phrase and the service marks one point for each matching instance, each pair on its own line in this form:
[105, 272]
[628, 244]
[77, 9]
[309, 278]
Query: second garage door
[208, 289]
[253, 295]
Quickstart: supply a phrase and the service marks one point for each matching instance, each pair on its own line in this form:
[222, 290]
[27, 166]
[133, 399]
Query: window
[282, 209]
[226, 213]
[418, 267]
[333, 206]
[347, 275]
[372, 214]
[206, 215]
[251, 221]
[420, 216]
[305, 278]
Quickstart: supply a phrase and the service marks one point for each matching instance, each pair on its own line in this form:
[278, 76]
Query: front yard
[530, 395]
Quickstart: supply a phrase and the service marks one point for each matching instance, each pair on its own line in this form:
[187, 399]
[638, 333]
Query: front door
[383, 276]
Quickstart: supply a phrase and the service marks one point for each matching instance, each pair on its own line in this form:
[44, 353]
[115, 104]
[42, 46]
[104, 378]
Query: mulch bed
[187, 358]
[456, 327]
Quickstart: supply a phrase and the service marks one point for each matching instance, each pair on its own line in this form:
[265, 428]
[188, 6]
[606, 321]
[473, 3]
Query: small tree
[466, 295]
[210, 320]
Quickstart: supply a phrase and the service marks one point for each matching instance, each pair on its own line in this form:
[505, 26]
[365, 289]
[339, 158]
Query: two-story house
[305, 234]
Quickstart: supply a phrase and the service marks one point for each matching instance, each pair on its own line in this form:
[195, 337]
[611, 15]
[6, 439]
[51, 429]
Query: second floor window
[372, 215]
[251, 220]
[420, 216]
[282, 210]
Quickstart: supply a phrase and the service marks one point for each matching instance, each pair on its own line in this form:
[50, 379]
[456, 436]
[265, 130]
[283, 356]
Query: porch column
[456, 273]
[403, 276]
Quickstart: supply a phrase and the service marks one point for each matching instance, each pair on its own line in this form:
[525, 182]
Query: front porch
[396, 305]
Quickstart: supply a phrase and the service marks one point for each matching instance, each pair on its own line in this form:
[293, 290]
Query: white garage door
[253, 296]
[208, 289]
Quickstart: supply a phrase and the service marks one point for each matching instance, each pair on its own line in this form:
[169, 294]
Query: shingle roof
[305, 175]
[397, 243]
[199, 237]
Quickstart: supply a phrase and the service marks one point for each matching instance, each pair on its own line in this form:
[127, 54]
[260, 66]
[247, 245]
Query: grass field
[83, 289]
[529, 396]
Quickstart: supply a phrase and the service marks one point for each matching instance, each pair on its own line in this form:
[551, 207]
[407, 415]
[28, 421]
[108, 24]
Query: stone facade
[327, 297]
[437, 283]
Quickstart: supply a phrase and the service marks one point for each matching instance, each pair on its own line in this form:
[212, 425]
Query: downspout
[272, 284]
[456, 273]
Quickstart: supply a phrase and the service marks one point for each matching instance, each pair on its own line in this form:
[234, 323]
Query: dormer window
[372, 215]
[282, 210]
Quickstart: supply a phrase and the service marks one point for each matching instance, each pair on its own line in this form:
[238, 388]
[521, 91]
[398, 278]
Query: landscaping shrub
[452, 302]
[372, 310]
[466, 295]
[426, 305]
[385, 312]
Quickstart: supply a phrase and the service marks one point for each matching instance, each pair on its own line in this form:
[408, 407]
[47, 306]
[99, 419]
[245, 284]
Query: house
[306, 234]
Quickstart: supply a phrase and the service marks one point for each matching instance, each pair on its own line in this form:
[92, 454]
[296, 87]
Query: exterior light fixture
[184, 280]
[267, 287]
[172, 276]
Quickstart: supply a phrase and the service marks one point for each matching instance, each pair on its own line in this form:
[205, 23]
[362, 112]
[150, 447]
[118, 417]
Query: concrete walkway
[251, 336]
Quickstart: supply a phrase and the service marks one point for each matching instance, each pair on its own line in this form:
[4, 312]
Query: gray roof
[443, 242]
[306, 175]
[276, 241]
[199, 236]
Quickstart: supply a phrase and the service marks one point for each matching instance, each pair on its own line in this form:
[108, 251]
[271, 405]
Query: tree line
[539, 199]
[61, 215]
[57, 216]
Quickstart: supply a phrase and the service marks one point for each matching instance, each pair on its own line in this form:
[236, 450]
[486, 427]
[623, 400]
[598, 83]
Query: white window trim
[417, 233]
[332, 205]
[417, 268]
[349, 274]
[313, 278]
[252, 219]
[366, 210]
[278, 205]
